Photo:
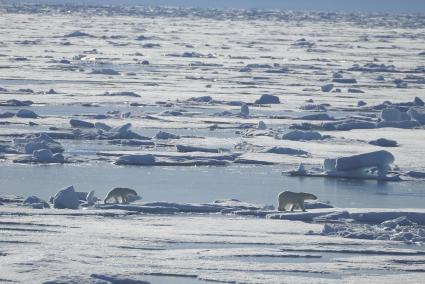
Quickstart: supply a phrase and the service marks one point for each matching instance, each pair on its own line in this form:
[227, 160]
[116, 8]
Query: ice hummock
[381, 160]
[373, 165]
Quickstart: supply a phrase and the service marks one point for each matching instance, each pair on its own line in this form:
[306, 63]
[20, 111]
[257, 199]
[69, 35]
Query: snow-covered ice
[205, 247]
[179, 104]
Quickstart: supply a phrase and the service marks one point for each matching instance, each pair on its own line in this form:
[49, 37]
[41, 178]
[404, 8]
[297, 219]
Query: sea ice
[384, 142]
[46, 156]
[406, 124]
[186, 148]
[202, 99]
[244, 112]
[120, 132]
[268, 99]
[102, 126]
[143, 160]
[26, 113]
[354, 124]
[327, 88]
[35, 202]
[391, 114]
[7, 114]
[90, 198]
[302, 135]
[416, 174]
[286, 151]
[166, 135]
[105, 72]
[78, 34]
[122, 94]
[317, 116]
[81, 123]
[355, 91]
[30, 143]
[398, 229]
[418, 114]
[344, 80]
[379, 159]
[66, 198]
[261, 125]
[17, 103]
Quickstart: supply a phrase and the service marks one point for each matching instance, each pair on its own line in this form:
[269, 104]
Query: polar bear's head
[309, 196]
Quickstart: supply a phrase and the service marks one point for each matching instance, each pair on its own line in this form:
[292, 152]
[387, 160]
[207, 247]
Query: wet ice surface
[184, 74]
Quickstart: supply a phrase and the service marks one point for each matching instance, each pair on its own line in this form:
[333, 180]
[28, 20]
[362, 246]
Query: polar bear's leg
[282, 203]
[116, 199]
[293, 207]
[301, 205]
[282, 206]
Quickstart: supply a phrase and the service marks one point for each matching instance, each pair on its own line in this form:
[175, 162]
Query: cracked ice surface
[57, 245]
[108, 82]
[197, 72]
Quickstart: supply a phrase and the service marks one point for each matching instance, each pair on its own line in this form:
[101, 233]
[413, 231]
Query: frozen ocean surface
[211, 106]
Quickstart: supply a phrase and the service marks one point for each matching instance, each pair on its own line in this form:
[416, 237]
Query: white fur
[295, 199]
[120, 192]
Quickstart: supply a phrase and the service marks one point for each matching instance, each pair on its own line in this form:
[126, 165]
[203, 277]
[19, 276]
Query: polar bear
[121, 192]
[295, 199]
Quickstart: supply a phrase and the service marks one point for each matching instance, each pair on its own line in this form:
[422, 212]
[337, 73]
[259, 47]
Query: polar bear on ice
[295, 199]
[120, 192]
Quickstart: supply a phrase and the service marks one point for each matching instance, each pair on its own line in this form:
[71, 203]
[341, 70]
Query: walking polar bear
[295, 199]
[120, 192]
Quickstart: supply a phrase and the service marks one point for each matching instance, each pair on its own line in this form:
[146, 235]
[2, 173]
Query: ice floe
[46, 156]
[268, 99]
[81, 123]
[31, 143]
[286, 151]
[35, 202]
[302, 135]
[418, 114]
[384, 142]
[26, 113]
[141, 160]
[327, 87]
[373, 165]
[66, 198]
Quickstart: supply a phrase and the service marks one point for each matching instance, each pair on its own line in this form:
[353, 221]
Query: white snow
[178, 88]
[210, 247]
